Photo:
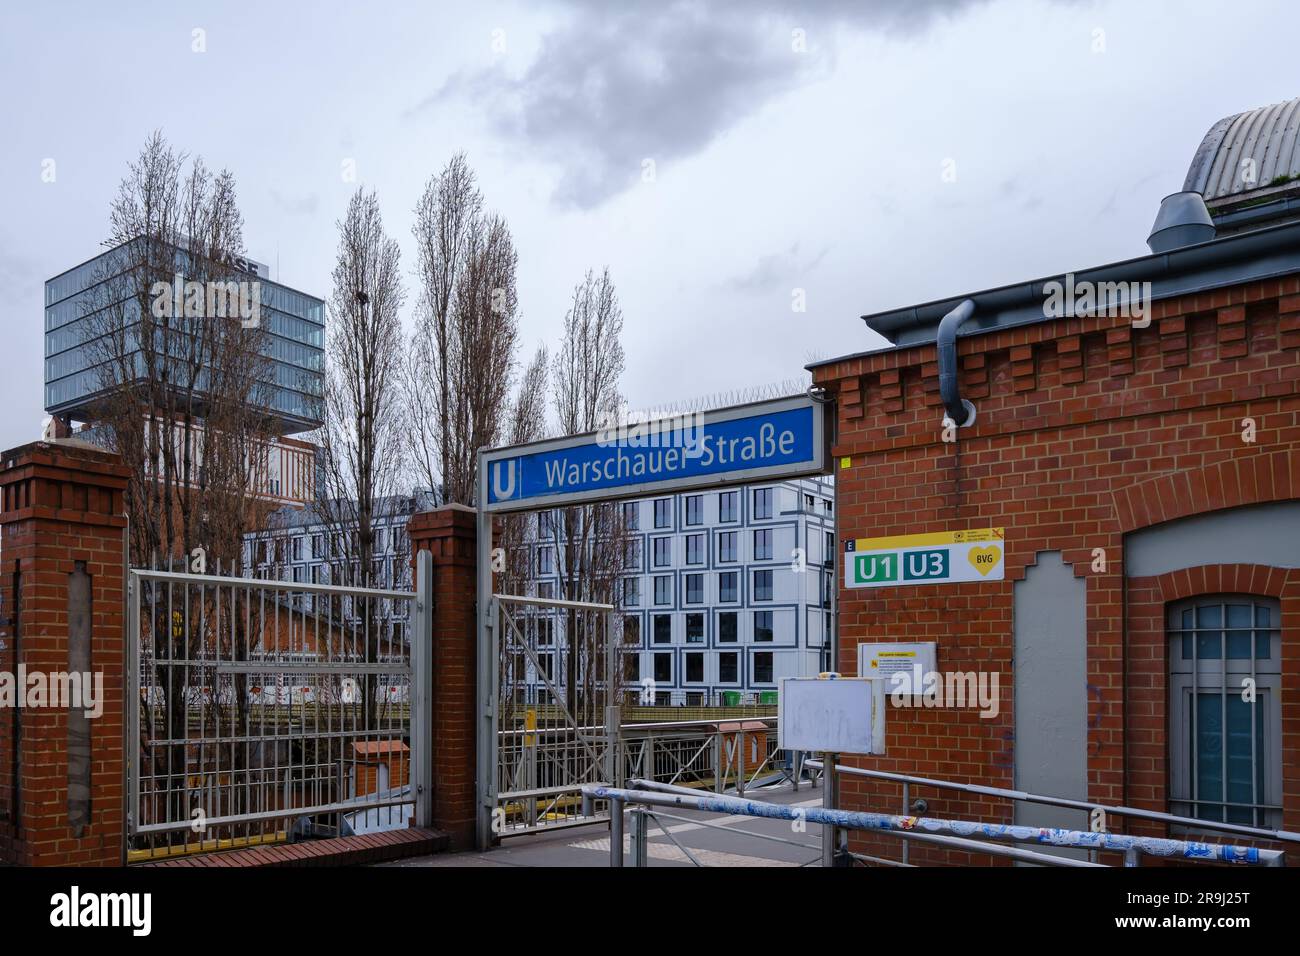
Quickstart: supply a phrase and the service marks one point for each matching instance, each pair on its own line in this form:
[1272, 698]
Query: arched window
[1225, 728]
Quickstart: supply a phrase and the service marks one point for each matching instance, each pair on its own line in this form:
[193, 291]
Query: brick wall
[449, 534]
[61, 511]
[1087, 428]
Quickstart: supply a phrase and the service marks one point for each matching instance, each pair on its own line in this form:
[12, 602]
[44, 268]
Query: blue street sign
[744, 443]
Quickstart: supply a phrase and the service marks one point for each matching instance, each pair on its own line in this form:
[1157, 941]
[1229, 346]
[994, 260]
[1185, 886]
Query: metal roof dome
[1248, 156]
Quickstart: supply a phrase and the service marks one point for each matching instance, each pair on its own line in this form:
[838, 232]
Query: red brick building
[1145, 470]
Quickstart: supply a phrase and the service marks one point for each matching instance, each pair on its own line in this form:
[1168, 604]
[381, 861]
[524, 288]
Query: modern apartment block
[724, 592]
[75, 299]
[300, 545]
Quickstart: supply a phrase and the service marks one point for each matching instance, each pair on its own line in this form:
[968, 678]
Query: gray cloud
[614, 86]
[776, 269]
[298, 206]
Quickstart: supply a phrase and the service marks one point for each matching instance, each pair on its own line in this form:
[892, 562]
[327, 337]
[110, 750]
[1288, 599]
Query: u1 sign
[784, 438]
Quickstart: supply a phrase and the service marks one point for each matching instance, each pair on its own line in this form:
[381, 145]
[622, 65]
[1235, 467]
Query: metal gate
[260, 711]
[555, 692]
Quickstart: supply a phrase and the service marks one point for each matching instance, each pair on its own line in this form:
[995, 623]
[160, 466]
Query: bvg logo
[503, 480]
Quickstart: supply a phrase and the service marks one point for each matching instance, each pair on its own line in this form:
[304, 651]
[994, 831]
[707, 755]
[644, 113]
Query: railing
[1017, 796]
[543, 754]
[966, 835]
[718, 754]
[264, 708]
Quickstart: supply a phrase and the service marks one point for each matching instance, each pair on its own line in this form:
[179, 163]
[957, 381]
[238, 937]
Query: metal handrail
[1282, 836]
[907, 826]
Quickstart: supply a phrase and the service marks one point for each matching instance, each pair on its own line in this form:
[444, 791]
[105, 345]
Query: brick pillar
[62, 577]
[449, 534]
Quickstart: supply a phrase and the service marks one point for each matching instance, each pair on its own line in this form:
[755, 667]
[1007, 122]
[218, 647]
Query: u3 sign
[942, 557]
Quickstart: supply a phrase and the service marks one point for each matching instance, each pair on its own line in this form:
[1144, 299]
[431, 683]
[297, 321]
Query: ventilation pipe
[958, 409]
[1182, 220]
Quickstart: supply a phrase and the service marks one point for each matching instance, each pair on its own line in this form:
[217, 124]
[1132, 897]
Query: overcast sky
[793, 146]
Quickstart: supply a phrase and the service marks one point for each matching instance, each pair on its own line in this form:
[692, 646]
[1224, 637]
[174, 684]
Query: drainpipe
[958, 409]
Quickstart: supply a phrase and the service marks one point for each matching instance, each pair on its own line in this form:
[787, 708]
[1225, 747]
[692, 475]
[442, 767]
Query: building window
[727, 627]
[545, 560]
[763, 626]
[695, 509]
[545, 631]
[695, 549]
[1225, 751]
[663, 669]
[694, 668]
[663, 512]
[809, 503]
[663, 552]
[632, 668]
[763, 585]
[763, 667]
[728, 507]
[827, 505]
[318, 547]
[632, 555]
[546, 589]
[726, 547]
[545, 524]
[762, 502]
[663, 589]
[830, 549]
[381, 540]
[694, 628]
[763, 544]
[727, 587]
[297, 549]
[631, 629]
[632, 515]
[548, 667]
[694, 589]
[663, 629]
[631, 592]
[729, 668]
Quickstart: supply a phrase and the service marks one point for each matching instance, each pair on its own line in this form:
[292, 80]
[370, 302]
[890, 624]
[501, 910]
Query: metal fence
[268, 710]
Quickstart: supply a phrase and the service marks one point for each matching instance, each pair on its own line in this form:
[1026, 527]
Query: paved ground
[734, 845]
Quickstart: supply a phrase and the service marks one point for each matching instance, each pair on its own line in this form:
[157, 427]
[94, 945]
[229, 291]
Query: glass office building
[78, 301]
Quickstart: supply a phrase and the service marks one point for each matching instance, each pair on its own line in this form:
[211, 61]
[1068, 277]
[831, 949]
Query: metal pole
[907, 811]
[640, 837]
[421, 712]
[484, 610]
[616, 831]
[830, 787]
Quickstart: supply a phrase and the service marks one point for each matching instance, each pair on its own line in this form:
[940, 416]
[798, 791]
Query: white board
[841, 715]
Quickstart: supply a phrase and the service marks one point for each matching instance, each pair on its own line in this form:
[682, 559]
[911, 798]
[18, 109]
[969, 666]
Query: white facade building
[726, 592]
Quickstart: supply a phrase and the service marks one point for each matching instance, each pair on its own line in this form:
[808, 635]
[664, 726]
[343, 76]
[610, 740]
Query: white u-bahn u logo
[502, 493]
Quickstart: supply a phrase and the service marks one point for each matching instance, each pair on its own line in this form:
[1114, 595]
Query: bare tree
[527, 423]
[589, 539]
[360, 462]
[182, 397]
[516, 532]
[459, 367]
[182, 391]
